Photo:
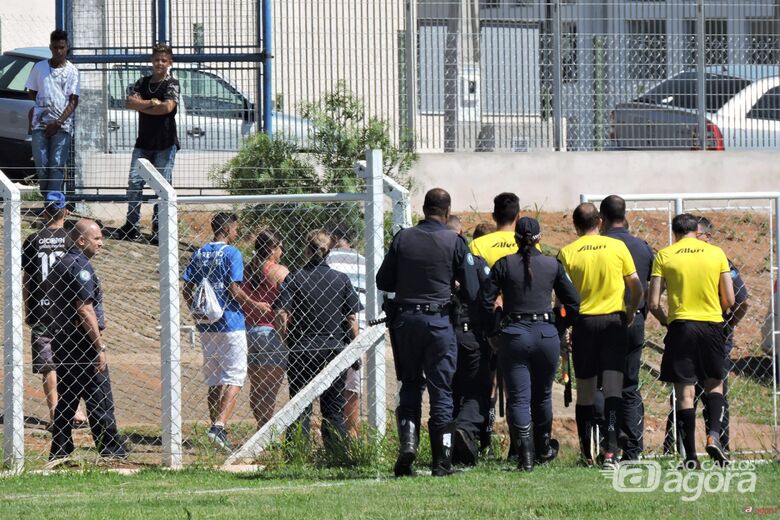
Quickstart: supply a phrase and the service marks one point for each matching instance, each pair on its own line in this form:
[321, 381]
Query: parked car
[213, 114]
[742, 104]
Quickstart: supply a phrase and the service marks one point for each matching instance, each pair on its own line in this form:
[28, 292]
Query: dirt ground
[129, 273]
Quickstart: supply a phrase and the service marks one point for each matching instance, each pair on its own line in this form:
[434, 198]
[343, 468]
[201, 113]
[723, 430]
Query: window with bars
[569, 64]
[762, 42]
[646, 49]
[716, 42]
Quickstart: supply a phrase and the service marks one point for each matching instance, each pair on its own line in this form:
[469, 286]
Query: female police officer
[527, 340]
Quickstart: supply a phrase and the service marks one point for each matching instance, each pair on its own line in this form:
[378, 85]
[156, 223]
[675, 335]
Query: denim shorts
[266, 347]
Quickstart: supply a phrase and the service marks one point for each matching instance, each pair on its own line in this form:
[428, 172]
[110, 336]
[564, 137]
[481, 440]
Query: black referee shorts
[694, 351]
[599, 343]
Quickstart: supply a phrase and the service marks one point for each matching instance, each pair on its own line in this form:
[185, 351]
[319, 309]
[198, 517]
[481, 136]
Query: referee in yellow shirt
[601, 268]
[697, 279]
[500, 243]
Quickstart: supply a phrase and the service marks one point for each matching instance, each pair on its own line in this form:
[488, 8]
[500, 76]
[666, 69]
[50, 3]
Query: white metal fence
[156, 364]
[745, 226]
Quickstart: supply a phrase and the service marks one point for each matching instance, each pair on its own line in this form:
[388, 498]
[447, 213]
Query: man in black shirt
[156, 99]
[613, 217]
[311, 309]
[40, 252]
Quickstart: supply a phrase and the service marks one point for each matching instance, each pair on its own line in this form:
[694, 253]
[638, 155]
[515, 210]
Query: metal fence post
[700, 64]
[402, 211]
[557, 76]
[163, 22]
[776, 328]
[374, 235]
[410, 59]
[170, 334]
[267, 83]
[13, 391]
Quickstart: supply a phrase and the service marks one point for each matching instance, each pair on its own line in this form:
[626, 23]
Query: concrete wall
[25, 23]
[554, 181]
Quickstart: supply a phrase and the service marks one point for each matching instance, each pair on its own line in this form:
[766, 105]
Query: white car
[742, 105]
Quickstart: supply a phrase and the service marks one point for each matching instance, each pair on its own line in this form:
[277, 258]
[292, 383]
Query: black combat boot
[465, 450]
[441, 451]
[525, 446]
[408, 439]
[546, 446]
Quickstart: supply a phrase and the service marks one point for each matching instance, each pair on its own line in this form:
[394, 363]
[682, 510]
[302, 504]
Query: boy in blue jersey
[224, 341]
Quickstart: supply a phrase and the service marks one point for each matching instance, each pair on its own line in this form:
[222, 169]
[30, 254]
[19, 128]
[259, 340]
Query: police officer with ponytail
[527, 339]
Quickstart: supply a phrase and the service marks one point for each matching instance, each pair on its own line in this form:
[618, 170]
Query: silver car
[213, 114]
[742, 105]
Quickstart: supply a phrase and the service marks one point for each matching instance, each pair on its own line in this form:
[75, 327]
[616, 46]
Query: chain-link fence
[181, 389]
[745, 227]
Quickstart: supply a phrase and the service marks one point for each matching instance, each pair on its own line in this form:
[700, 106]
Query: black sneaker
[716, 451]
[127, 232]
[218, 436]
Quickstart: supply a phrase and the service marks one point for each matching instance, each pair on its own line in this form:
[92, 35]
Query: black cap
[528, 225]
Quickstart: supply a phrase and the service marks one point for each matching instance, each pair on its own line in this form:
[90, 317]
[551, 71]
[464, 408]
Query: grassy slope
[560, 491]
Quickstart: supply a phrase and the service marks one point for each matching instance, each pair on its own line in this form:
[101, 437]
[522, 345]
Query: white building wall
[25, 23]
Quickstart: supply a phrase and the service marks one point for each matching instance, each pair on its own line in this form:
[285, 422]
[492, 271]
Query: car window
[14, 72]
[768, 107]
[681, 91]
[208, 95]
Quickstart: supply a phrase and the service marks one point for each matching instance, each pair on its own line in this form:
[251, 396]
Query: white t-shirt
[54, 87]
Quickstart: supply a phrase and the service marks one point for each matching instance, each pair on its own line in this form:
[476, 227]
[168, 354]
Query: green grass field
[491, 491]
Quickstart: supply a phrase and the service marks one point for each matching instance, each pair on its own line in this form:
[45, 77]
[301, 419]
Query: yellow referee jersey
[495, 246]
[597, 265]
[691, 269]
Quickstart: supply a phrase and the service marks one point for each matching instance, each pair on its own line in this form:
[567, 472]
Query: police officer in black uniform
[421, 267]
[76, 319]
[613, 224]
[471, 385]
[527, 339]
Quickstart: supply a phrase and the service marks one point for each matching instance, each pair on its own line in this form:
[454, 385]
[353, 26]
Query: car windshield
[14, 71]
[681, 91]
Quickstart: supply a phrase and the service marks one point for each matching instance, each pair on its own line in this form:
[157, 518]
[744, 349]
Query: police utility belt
[546, 317]
[425, 308]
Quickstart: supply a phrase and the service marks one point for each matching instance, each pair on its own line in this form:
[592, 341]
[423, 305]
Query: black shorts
[42, 355]
[599, 343]
[694, 351]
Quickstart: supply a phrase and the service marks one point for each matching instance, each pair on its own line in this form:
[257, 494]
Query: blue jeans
[50, 155]
[162, 160]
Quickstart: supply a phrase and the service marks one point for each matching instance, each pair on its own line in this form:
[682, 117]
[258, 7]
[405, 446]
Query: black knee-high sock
[613, 407]
[716, 404]
[686, 427]
[584, 417]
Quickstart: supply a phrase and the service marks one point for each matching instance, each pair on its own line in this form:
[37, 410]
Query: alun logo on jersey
[503, 244]
[589, 247]
[689, 250]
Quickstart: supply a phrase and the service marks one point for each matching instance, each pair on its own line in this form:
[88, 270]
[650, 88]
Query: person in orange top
[267, 353]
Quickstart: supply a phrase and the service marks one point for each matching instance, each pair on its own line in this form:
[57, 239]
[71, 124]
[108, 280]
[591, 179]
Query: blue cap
[55, 200]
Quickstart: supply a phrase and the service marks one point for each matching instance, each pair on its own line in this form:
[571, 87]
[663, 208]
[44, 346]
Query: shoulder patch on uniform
[85, 275]
[734, 273]
[487, 270]
[469, 258]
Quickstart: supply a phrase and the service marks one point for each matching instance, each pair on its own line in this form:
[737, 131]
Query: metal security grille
[745, 227]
